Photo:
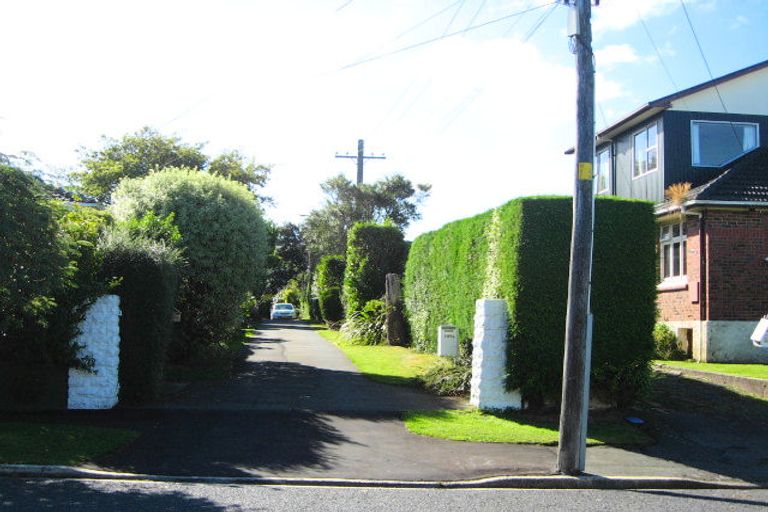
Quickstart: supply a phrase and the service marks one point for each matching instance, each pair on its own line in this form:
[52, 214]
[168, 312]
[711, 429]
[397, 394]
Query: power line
[658, 53]
[703, 57]
[453, 18]
[541, 21]
[427, 20]
[477, 13]
[424, 43]
[344, 5]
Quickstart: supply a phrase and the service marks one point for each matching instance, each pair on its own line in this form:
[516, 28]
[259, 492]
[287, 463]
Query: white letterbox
[448, 341]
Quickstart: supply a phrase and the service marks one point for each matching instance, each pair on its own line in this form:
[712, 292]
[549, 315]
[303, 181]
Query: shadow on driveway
[708, 427]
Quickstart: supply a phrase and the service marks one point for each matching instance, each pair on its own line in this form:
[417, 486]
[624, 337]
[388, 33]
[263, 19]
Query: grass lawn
[31, 443]
[756, 371]
[477, 426]
[383, 363]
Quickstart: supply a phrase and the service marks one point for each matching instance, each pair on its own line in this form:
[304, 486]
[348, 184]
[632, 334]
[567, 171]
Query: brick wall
[684, 303]
[737, 273]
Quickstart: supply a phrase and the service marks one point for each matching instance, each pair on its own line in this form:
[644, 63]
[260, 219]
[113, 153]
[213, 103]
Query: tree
[224, 241]
[393, 198]
[133, 156]
[235, 166]
[288, 257]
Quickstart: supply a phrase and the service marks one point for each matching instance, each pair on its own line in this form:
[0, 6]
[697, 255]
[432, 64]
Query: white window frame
[667, 242]
[695, 143]
[636, 173]
[603, 172]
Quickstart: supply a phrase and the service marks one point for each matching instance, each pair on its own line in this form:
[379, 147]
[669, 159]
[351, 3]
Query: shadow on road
[709, 427]
[92, 496]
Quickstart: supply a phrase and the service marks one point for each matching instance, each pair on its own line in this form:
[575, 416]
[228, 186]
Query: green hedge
[373, 251]
[147, 272]
[330, 279]
[520, 252]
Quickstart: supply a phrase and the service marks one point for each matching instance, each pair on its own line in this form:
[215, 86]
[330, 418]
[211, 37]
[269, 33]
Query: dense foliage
[373, 251]
[393, 198]
[47, 281]
[330, 280]
[665, 344]
[224, 242]
[520, 253]
[133, 156]
[147, 275]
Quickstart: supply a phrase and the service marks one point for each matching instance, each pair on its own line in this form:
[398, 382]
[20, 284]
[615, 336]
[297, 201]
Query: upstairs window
[672, 245]
[603, 178]
[715, 143]
[646, 147]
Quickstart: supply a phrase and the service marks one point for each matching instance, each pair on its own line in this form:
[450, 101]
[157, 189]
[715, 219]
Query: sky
[475, 97]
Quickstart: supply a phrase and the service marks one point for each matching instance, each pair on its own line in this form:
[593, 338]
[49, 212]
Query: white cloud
[739, 22]
[617, 15]
[613, 54]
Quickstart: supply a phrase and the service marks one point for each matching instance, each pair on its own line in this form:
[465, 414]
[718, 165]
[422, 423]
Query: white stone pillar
[489, 358]
[100, 338]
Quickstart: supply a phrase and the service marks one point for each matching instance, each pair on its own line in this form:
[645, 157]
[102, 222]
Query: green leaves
[527, 265]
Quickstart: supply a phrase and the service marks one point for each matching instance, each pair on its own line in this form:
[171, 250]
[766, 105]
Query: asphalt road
[85, 496]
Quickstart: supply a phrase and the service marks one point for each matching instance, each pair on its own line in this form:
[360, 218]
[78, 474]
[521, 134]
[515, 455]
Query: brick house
[713, 236]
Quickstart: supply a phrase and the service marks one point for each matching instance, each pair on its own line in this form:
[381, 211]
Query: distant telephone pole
[578, 339]
[360, 159]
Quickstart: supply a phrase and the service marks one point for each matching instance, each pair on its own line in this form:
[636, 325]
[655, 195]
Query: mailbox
[759, 334]
[448, 341]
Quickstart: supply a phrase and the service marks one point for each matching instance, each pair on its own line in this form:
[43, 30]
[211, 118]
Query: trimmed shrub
[223, 237]
[373, 251]
[520, 253]
[147, 275]
[330, 279]
[665, 344]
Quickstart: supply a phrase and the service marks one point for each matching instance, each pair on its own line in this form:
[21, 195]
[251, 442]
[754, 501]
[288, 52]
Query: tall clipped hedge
[223, 237]
[520, 253]
[330, 279]
[373, 251]
[147, 273]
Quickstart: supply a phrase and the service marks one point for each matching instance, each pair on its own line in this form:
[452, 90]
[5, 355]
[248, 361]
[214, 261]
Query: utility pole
[576, 361]
[360, 159]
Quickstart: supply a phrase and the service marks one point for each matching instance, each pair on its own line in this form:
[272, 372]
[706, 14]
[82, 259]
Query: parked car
[282, 310]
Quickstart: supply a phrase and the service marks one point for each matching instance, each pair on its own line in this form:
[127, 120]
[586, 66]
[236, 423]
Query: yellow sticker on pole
[585, 171]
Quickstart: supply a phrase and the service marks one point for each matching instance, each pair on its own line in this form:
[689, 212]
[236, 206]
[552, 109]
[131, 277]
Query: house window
[715, 143]
[603, 181]
[672, 244]
[646, 151]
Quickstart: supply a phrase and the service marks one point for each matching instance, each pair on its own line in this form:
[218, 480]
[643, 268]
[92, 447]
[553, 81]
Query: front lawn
[514, 427]
[70, 445]
[384, 363]
[755, 371]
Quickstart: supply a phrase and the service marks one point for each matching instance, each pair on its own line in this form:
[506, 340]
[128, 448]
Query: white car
[282, 310]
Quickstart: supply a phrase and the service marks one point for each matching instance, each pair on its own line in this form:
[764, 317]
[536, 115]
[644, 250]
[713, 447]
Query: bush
[223, 237]
[366, 327]
[520, 253]
[292, 293]
[147, 276]
[665, 344]
[47, 281]
[449, 377]
[330, 279]
[373, 251]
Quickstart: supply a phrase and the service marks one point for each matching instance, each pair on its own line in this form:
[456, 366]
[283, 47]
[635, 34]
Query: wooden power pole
[576, 364]
[360, 159]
